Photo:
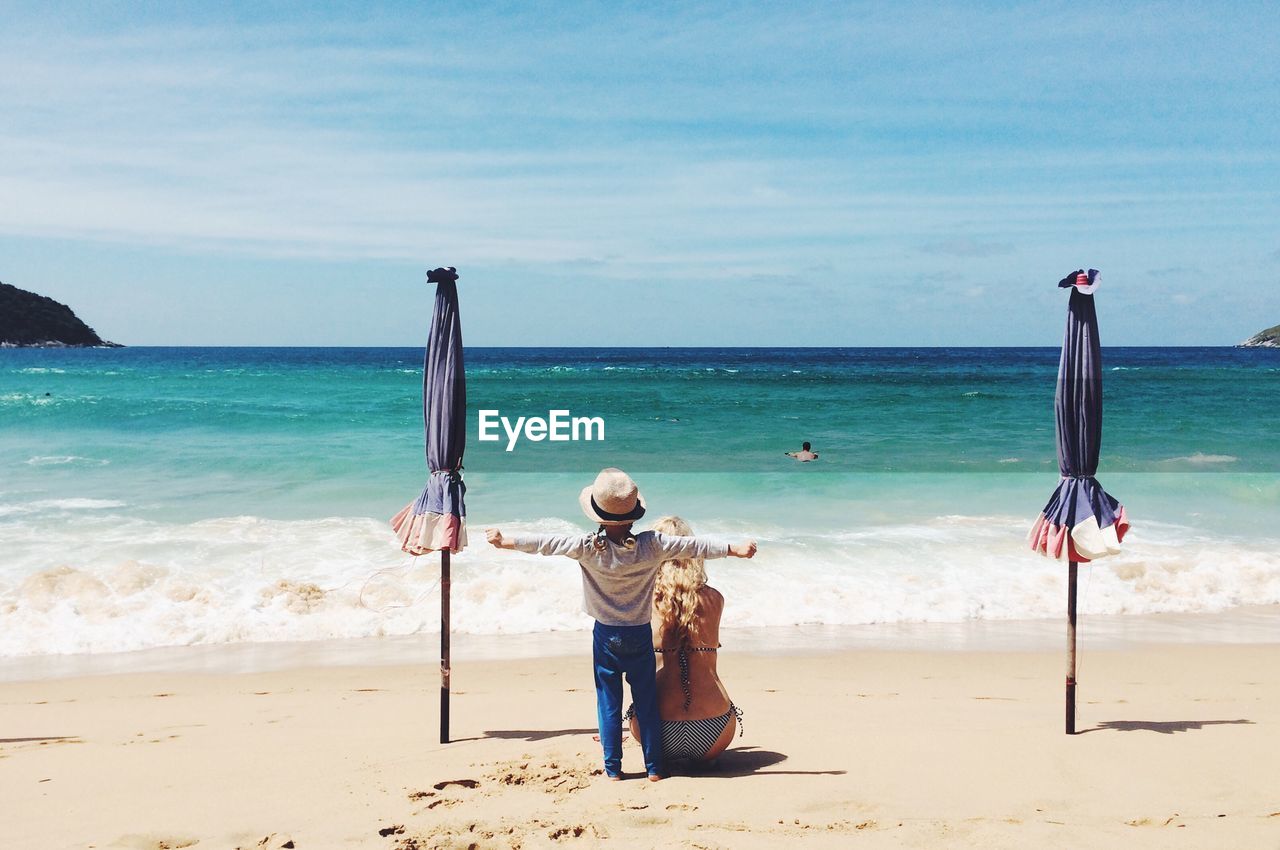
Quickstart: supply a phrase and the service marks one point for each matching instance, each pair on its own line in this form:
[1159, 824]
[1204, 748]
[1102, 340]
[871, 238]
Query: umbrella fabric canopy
[437, 519]
[1081, 522]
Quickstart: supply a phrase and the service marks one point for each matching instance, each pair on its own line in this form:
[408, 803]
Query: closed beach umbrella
[436, 521]
[1081, 522]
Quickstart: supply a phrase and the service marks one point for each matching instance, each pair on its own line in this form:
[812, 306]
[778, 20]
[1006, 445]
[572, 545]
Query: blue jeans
[619, 650]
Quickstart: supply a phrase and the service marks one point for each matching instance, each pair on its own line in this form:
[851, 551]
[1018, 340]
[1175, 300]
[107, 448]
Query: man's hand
[494, 536]
[743, 550]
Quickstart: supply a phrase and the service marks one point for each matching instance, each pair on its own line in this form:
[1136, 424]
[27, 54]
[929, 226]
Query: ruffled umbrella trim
[437, 519]
[1081, 523]
[422, 533]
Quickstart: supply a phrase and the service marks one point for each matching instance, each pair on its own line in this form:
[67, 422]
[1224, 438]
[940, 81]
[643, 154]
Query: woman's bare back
[707, 695]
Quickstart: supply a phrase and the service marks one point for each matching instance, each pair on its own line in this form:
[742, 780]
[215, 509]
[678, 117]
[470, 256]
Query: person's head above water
[805, 454]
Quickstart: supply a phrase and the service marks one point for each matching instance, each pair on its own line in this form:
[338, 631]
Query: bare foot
[653, 777]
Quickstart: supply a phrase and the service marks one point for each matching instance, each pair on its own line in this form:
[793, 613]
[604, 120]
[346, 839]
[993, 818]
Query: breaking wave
[121, 583]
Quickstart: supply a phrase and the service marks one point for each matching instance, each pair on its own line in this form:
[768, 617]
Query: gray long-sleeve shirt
[617, 581]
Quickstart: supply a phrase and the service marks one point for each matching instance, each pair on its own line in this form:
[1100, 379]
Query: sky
[643, 174]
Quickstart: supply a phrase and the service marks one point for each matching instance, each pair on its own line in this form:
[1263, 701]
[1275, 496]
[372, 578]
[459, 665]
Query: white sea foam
[76, 504]
[41, 370]
[1201, 458]
[16, 398]
[63, 460]
[109, 583]
[55, 506]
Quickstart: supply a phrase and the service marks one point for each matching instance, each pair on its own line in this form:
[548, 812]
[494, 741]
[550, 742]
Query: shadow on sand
[1164, 727]
[745, 761]
[739, 761]
[526, 734]
[32, 740]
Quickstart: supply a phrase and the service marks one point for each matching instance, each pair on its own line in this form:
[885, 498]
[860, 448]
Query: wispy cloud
[867, 148]
[967, 248]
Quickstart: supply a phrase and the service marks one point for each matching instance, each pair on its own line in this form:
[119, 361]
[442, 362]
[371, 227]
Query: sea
[179, 497]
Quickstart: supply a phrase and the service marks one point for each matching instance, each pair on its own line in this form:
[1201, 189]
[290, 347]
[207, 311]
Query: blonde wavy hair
[675, 596]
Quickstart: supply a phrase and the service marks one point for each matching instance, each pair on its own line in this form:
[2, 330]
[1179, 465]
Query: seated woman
[698, 718]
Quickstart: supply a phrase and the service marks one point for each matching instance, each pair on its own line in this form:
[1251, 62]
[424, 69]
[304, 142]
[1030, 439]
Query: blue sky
[643, 174]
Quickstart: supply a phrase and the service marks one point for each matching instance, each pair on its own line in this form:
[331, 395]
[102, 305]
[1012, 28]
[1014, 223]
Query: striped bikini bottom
[693, 739]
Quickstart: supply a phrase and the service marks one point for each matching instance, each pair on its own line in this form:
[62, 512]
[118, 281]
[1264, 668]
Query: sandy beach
[877, 748]
[866, 306]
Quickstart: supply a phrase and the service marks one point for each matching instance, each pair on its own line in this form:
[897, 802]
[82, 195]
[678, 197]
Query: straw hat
[614, 499]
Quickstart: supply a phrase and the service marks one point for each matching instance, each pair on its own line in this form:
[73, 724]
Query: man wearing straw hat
[618, 573]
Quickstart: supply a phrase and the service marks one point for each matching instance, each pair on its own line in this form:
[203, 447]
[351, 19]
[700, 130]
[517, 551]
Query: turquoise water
[157, 496]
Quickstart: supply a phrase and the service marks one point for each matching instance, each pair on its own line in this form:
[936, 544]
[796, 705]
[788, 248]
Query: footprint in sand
[459, 835]
[465, 783]
[554, 776]
[563, 833]
[507, 834]
[443, 802]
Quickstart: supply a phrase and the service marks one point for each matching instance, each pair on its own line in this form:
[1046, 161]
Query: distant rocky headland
[28, 320]
[1270, 338]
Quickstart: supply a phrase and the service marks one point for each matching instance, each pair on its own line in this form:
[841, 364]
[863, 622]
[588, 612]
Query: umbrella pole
[444, 646]
[1071, 647]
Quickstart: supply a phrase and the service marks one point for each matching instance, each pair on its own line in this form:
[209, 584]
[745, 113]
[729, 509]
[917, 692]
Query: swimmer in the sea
[804, 455]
